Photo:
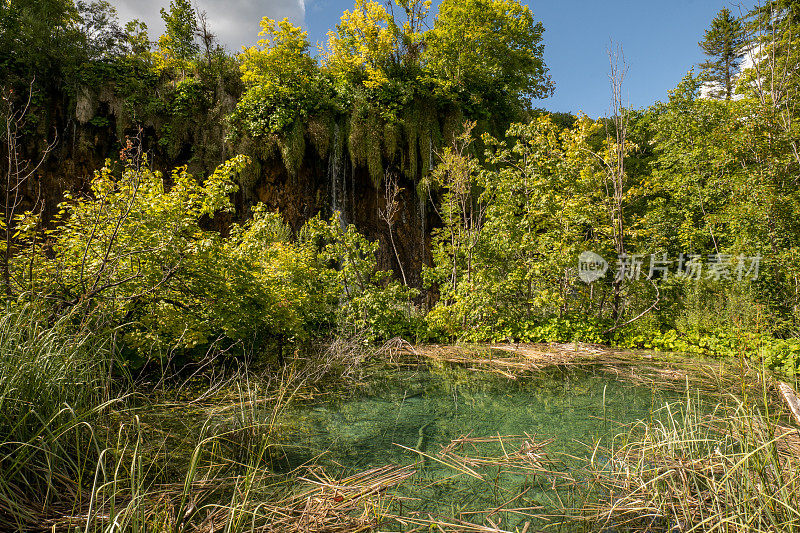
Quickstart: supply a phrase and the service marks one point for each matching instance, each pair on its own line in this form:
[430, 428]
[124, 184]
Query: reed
[735, 469]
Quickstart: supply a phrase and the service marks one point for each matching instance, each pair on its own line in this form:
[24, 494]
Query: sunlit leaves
[283, 82]
[489, 49]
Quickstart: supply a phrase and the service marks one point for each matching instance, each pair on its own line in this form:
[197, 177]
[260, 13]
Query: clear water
[425, 409]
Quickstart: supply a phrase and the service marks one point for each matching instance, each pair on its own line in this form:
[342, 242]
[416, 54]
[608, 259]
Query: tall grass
[77, 453]
[54, 382]
[735, 469]
[81, 450]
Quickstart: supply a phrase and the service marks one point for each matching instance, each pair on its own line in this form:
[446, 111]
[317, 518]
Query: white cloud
[234, 22]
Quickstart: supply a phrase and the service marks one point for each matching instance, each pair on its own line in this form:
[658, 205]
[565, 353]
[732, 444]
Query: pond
[408, 416]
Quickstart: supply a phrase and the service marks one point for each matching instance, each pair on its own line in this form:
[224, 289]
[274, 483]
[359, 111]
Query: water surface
[399, 411]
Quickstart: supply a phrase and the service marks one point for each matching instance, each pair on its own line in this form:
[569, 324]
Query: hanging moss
[319, 130]
[424, 138]
[391, 140]
[423, 188]
[411, 125]
[453, 126]
[293, 148]
[430, 137]
[373, 149]
[356, 139]
[365, 142]
[248, 178]
[264, 148]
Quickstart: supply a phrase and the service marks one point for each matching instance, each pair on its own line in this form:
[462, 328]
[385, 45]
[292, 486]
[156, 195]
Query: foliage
[362, 48]
[781, 355]
[284, 84]
[132, 249]
[56, 376]
[724, 43]
[369, 302]
[488, 53]
[177, 46]
[39, 37]
[510, 231]
[136, 253]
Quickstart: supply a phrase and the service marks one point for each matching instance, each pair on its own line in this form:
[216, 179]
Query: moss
[424, 137]
[248, 177]
[319, 130]
[373, 150]
[453, 126]
[411, 122]
[293, 148]
[392, 136]
[365, 142]
[356, 140]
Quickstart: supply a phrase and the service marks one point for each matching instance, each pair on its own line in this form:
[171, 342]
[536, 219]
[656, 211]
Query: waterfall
[336, 175]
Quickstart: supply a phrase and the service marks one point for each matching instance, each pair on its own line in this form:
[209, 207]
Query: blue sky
[659, 39]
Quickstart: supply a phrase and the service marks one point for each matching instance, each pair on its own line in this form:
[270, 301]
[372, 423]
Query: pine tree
[723, 43]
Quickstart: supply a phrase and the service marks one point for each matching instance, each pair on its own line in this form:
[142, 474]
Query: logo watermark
[592, 267]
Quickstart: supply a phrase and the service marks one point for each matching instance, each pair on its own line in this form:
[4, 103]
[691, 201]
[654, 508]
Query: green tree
[137, 40]
[504, 257]
[489, 51]
[363, 46]
[178, 45]
[724, 43]
[103, 36]
[39, 38]
[283, 86]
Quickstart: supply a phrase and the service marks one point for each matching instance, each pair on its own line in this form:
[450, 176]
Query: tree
[39, 38]
[363, 46]
[103, 36]
[724, 43]
[137, 40]
[389, 213]
[454, 244]
[282, 81]
[178, 42]
[490, 49]
[18, 171]
[614, 162]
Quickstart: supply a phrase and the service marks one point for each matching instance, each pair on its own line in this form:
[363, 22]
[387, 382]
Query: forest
[199, 244]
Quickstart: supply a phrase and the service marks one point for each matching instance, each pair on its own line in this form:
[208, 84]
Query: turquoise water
[424, 410]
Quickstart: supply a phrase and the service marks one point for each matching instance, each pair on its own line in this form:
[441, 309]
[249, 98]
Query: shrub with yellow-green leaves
[134, 254]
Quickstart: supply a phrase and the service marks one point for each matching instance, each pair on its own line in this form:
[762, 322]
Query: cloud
[234, 22]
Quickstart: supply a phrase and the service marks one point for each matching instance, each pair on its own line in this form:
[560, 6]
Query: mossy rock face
[356, 140]
[424, 138]
[373, 149]
[392, 137]
[248, 178]
[453, 126]
[411, 127]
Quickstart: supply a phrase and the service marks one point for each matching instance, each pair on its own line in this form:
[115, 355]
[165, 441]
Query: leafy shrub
[368, 300]
[781, 355]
